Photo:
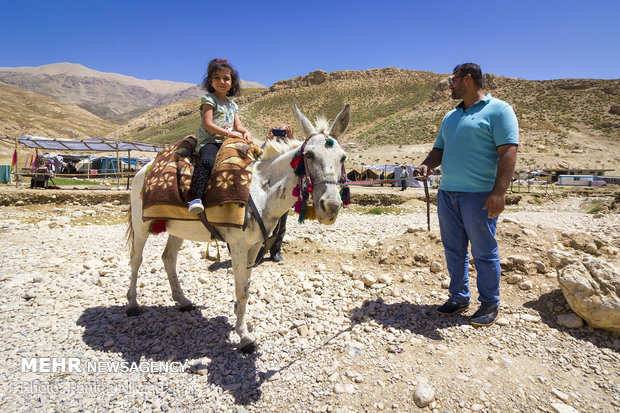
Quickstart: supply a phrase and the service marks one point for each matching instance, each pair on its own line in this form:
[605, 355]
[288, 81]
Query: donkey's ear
[341, 122]
[304, 124]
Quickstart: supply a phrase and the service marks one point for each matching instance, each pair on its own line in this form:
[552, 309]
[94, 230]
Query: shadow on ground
[600, 338]
[419, 319]
[165, 333]
[220, 265]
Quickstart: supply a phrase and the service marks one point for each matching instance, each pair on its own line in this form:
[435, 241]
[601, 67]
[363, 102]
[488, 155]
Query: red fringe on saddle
[158, 226]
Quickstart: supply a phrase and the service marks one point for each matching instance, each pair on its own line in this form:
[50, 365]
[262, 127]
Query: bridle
[305, 183]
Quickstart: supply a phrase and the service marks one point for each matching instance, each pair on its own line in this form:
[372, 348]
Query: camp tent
[83, 145]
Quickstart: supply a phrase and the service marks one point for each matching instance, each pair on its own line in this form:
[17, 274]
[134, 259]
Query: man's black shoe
[485, 316]
[277, 257]
[452, 308]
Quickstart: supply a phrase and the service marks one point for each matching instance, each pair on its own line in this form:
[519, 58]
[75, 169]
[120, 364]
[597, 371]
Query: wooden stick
[428, 205]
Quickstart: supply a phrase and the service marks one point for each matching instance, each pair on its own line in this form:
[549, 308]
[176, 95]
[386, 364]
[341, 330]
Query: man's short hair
[471, 69]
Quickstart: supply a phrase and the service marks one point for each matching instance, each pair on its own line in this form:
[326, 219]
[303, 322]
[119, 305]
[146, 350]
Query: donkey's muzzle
[328, 210]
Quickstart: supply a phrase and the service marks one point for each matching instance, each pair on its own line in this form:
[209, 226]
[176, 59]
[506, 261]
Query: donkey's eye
[309, 155]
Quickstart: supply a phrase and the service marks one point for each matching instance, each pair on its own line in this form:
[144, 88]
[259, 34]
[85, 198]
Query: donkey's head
[324, 159]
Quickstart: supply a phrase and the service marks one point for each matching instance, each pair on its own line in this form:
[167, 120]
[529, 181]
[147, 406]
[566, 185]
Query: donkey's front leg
[242, 290]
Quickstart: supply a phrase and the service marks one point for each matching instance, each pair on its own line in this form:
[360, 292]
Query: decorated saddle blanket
[167, 186]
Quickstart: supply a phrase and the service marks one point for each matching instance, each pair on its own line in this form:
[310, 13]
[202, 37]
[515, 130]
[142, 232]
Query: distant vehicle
[536, 181]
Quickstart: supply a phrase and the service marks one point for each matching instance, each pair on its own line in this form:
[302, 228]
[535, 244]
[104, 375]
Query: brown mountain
[110, 96]
[28, 113]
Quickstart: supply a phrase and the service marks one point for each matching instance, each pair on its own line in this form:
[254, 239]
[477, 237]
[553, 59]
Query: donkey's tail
[129, 234]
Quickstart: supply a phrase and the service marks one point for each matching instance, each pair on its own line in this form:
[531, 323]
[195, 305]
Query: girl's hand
[235, 134]
[247, 136]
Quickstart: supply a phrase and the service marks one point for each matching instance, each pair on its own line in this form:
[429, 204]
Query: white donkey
[273, 181]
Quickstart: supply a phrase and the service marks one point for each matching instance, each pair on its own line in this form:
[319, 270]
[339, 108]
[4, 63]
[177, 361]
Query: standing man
[404, 174]
[275, 249]
[477, 148]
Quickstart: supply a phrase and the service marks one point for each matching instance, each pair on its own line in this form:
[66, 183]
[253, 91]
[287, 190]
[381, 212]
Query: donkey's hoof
[133, 311]
[188, 307]
[248, 348]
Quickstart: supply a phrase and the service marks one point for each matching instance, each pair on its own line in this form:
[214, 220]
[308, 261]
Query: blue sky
[268, 41]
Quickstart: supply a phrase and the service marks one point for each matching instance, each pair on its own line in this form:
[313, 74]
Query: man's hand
[495, 204]
[421, 170]
[289, 132]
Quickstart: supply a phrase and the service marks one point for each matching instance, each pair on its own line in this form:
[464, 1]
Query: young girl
[220, 120]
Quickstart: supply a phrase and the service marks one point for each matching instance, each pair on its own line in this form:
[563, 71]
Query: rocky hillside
[564, 123]
[110, 96]
[28, 113]
[374, 95]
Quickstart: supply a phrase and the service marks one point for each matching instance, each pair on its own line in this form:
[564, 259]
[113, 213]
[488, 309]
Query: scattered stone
[424, 394]
[526, 285]
[385, 279]
[347, 269]
[531, 318]
[436, 267]
[29, 295]
[560, 395]
[368, 280]
[502, 321]
[514, 278]
[540, 267]
[563, 408]
[354, 348]
[359, 284]
[340, 388]
[570, 320]
[302, 330]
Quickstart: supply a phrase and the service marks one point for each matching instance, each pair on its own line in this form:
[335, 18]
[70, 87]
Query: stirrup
[208, 256]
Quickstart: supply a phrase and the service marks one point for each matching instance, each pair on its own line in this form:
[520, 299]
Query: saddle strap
[259, 219]
[214, 234]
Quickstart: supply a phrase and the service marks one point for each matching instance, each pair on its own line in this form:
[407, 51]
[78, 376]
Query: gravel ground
[327, 341]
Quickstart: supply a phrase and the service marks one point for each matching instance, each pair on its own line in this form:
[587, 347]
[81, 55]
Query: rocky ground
[346, 323]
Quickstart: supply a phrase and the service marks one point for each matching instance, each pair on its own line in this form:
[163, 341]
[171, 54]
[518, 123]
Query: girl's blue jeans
[461, 221]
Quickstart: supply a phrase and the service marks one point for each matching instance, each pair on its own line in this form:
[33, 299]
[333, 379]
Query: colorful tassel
[296, 159]
[302, 214]
[300, 168]
[329, 142]
[296, 191]
[311, 212]
[157, 226]
[345, 195]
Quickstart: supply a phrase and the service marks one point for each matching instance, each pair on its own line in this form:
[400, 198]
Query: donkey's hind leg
[170, 264]
[139, 236]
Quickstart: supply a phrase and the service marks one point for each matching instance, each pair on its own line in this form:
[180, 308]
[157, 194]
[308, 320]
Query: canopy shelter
[90, 144]
[85, 145]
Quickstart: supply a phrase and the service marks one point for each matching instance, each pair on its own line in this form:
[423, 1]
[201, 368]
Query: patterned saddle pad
[167, 186]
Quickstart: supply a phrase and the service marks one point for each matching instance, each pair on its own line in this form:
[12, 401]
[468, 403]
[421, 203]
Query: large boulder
[591, 286]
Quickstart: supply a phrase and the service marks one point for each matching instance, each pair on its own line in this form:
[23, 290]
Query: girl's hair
[214, 66]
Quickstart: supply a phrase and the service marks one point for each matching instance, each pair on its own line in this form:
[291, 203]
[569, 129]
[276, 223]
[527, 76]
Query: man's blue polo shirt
[469, 139]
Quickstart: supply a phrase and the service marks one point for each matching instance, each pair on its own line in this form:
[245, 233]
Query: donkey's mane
[322, 125]
[275, 147]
